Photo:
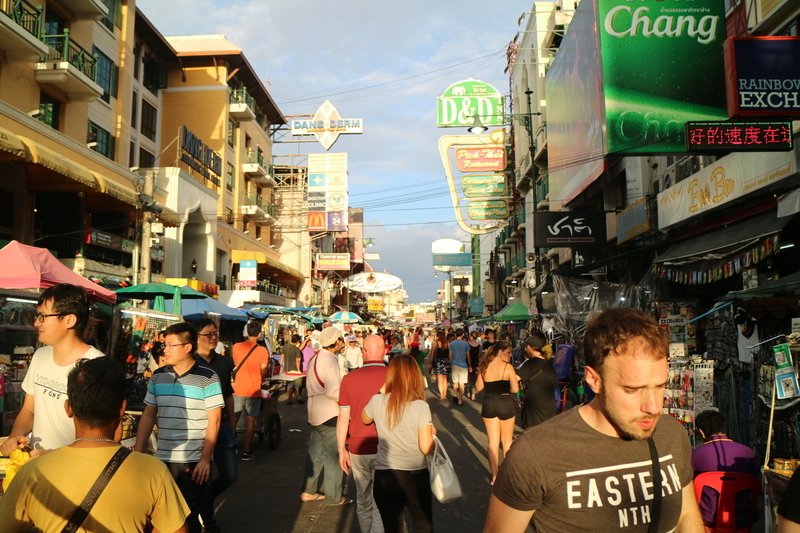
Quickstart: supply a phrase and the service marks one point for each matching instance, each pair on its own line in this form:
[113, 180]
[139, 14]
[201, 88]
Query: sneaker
[248, 456]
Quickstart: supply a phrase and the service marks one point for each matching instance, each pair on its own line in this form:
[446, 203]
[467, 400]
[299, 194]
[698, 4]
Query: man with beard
[615, 463]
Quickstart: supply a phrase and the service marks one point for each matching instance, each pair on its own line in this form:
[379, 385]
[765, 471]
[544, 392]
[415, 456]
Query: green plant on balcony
[62, 48]
[24, 14]
[240, 96]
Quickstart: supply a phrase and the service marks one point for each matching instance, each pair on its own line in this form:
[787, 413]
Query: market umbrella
[345, 317]
[158, 303]
[148, 291]
[514, 312]
[177, 308]
[196, 309]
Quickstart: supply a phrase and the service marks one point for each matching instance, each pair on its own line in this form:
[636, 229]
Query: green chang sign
[662, 63]
[462, 101]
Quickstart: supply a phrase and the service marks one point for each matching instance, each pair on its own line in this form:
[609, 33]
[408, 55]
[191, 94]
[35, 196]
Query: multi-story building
[133, 155]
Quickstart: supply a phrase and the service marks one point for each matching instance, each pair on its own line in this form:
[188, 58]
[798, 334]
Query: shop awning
[169, 217]
[261, 258]
[118, 191]
[58, 163]
[788, 286]
[9, 142]
[718, 243]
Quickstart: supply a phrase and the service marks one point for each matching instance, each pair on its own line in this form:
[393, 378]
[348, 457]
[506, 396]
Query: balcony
[242, 105]
[543, 192]
[259, 211]
[20, 29]
[255, 168]
[541, 142]
[86, 9]
[70, 67]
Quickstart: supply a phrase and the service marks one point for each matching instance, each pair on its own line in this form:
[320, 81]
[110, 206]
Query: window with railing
[107, 75]
[63, 48]
[229, 175]
[24, 14]
[50, 109]
[149, 120]
[146, 159]
[254, 157]
[101, 139]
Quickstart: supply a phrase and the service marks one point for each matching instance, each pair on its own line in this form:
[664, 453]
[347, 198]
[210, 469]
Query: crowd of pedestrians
[591, 468]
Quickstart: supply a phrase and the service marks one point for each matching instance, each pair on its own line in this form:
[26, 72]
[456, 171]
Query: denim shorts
[250, 406]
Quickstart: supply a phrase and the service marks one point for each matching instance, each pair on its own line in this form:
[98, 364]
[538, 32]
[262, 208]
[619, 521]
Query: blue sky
[382, 62]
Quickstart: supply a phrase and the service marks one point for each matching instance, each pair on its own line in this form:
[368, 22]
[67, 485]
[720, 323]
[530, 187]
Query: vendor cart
[269, 421]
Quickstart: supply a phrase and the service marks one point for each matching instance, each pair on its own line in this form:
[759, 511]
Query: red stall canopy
[29, 267]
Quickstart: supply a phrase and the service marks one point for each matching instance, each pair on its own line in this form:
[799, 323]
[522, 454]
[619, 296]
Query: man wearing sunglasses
[63, 312]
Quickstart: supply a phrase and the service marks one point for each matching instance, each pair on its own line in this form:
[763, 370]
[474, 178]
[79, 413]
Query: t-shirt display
[578, 479]
[398, 447]
[248, 377]
[47, 383]
[358, 388]
[47, 491]
[540, 400]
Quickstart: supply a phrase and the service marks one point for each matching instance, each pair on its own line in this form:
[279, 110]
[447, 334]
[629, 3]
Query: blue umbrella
[196, 309]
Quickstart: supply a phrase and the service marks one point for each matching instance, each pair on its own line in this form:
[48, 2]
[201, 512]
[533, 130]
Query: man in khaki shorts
[250, 362]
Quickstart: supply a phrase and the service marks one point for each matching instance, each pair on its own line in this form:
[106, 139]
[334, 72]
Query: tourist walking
[497, 376]
[539, 379]
[405, 438]
[440, 363]
[474, 361]
[252, 362]
[460, 366]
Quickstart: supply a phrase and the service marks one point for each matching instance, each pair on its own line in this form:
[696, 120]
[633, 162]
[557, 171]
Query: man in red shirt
[247, 384]
[362, 444]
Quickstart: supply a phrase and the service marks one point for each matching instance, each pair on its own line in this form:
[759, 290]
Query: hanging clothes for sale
[747, 334]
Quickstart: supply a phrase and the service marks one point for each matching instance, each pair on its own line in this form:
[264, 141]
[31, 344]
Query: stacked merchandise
[690, 390]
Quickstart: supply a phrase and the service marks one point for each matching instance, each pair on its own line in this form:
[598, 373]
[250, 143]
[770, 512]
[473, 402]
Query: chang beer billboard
[462, 101]
[663, 65]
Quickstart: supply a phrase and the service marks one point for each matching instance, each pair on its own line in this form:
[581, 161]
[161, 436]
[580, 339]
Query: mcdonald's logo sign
[317, 221]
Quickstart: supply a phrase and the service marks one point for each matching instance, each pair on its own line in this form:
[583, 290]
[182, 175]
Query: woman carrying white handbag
[405, 437]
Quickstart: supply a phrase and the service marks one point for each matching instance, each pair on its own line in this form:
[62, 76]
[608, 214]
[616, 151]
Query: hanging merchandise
[785, 374]
[690, 390]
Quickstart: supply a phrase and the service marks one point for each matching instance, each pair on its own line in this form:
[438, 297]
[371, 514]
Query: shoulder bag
[80, 514]
[240, 365]
[444, 481]
[657, 488]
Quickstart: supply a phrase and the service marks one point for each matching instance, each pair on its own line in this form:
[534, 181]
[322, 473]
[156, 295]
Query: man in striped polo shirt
[186, 399]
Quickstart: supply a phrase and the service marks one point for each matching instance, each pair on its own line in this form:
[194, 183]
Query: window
[53, 23]
[136, 50]
[114, 17]
[149, 114]
[107, 75]
[134, 103]
[50, 109]
[155, 74]
[103, 138]
[229, 177]
[131, 154]
[231, 133]
[146, 159]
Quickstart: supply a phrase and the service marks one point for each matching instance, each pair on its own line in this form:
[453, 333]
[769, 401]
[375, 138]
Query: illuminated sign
[479, 185]
[317, 221]
[738, 136]
[326, 125]
[199, 157]
[492, 158]
[487, 209]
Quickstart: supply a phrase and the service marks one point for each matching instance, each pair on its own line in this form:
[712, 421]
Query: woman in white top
[405, 437]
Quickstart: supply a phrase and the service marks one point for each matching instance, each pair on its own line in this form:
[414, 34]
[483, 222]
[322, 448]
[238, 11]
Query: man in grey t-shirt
[591, 469]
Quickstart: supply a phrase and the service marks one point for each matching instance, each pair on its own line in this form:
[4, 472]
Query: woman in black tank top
[440, 363]
[498, 377]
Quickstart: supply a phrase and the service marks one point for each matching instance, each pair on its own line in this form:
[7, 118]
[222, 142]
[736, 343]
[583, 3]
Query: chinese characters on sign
[573, 229]
[738, 136]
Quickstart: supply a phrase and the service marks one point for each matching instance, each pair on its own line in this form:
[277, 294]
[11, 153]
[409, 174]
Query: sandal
[345, 501]
[315, 498]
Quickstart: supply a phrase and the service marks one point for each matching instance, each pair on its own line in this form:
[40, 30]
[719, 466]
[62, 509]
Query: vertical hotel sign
[327, 192]
[662, 66]
[200, 159]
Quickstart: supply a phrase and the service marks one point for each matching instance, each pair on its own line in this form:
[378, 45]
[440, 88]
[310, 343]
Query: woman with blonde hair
[497, 376]
[440, 362]
[402, 418]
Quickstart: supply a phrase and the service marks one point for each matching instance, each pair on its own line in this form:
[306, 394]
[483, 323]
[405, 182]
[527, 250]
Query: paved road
[266, 495]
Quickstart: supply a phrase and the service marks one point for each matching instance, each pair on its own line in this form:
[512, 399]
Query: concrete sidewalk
[266, 497]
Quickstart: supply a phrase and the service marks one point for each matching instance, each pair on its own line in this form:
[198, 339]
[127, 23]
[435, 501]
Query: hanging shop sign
[199, 157]
[729, 178]
[633, 221]
[463, 101]
[317, 221]
[762, 75]
[326, 125]
[487, 158]
[339, 261]
[316, 201]
[487, 209]
[248, 273]
[327, 192]
[711, 137]
[572, 229]
[374, 304]
[457, 260]
[480, 185]
[372, 282]
[476, 306]
[680, 70]
[108, 240]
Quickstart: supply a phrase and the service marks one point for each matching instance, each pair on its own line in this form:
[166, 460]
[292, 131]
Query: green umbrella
[148, 291]
[176, 302]
[159, 304]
